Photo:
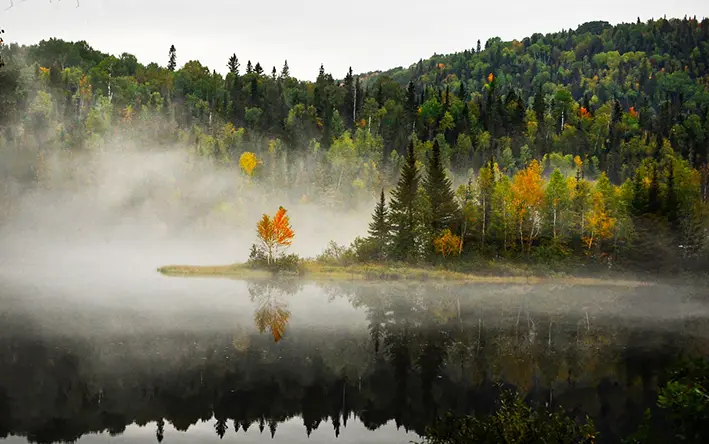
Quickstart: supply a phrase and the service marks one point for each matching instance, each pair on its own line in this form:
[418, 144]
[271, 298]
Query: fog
[124, 211]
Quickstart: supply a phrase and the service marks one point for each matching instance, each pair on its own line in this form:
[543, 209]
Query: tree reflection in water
[425, 350]
[272, 311]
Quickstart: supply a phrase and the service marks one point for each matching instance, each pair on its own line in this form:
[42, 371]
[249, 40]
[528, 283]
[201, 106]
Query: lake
[137, 357]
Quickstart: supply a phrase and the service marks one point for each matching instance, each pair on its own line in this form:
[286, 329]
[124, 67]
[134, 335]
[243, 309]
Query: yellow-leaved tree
[528, 192]
[275, 233]
[248, 163]
[599, 224]
[447, 243]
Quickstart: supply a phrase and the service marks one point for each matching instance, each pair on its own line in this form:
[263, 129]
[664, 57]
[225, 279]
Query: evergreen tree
[349, 101]
[172, 62]
[403, 217]
[653, 199]
[257, 69]
[639, 203]
[671, 203]
[249, 67]
[379, 229]
[439, 190]
[285, 72]
[411, 107]
[462, 93]
[273, 73]
[478, 48]
[233, 65]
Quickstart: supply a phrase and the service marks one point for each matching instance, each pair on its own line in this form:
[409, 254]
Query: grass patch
[314, 270]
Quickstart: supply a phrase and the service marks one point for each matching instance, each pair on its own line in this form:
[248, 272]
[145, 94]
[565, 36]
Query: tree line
[619, 110]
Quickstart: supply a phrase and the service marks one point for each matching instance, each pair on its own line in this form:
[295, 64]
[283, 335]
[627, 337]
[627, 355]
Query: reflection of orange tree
[272, 311]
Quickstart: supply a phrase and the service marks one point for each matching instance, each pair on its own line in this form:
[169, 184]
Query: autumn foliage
[599, 224]
[528, 192]
[248, 163]
[448, 244]
[275, 233]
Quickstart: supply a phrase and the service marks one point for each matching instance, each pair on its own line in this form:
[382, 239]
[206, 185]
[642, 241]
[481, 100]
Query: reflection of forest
[425, 353]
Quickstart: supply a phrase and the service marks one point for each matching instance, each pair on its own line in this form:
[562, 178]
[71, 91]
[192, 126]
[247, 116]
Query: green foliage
[404, 216]
[286, 263]
[513, 422]
[683, 406]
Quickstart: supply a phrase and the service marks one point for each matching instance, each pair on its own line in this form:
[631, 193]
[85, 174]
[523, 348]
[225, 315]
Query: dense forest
[590, 142]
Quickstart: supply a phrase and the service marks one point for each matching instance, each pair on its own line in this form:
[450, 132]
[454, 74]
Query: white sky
[366, 35]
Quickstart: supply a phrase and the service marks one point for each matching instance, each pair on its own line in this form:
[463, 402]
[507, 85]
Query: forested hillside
[616, 116]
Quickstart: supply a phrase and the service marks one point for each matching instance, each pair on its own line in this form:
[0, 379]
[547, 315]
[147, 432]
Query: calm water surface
[144, 358]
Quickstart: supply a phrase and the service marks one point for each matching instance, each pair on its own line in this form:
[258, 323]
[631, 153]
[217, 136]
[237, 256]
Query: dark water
[195, 360]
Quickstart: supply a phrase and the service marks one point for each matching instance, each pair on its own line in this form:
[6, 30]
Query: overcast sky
[365, 35]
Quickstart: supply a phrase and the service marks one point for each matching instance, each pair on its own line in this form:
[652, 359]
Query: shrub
[283, 263]
[514, 422]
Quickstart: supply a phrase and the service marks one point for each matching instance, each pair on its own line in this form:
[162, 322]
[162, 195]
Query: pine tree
[285, 72]
[671, 204]
[478, 47]
[411, 107]
[233, 65]
[379, 229]
[257, 69]
[273, 73]
[653, 198]
[402, 209]
[172, 63]
[639, 203]
[462, 93]
[249, 67]
[439, 190]
[349, 101]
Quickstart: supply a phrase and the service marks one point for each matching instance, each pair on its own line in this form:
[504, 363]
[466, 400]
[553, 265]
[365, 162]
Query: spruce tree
[403, 211]
[233, 65]
[172, 62]
[379, 229]
[654, 205]
[411, 107]
[249, 67]
[639, 203]
[258, 69]
[671, 204]
[439, 190]
[285, 72]
[462, 93]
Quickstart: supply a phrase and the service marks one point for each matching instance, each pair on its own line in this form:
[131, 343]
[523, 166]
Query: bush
[514, 422]
[285, 263]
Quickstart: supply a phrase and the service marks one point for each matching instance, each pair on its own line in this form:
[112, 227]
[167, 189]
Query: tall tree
[233, 65]
[172, 62]
[379, 229]
[438, 187]
[285, 72]
[403, 214]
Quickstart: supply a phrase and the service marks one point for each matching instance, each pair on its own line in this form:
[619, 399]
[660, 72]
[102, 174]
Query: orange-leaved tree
[447, 244]
[275, 234]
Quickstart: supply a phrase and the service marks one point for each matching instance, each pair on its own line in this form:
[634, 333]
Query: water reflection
[419, 351]
[272, 307]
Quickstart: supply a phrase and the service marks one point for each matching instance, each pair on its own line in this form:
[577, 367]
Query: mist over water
[94, 339]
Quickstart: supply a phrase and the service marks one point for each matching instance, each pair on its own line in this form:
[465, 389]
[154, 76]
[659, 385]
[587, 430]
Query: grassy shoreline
[313, 270]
